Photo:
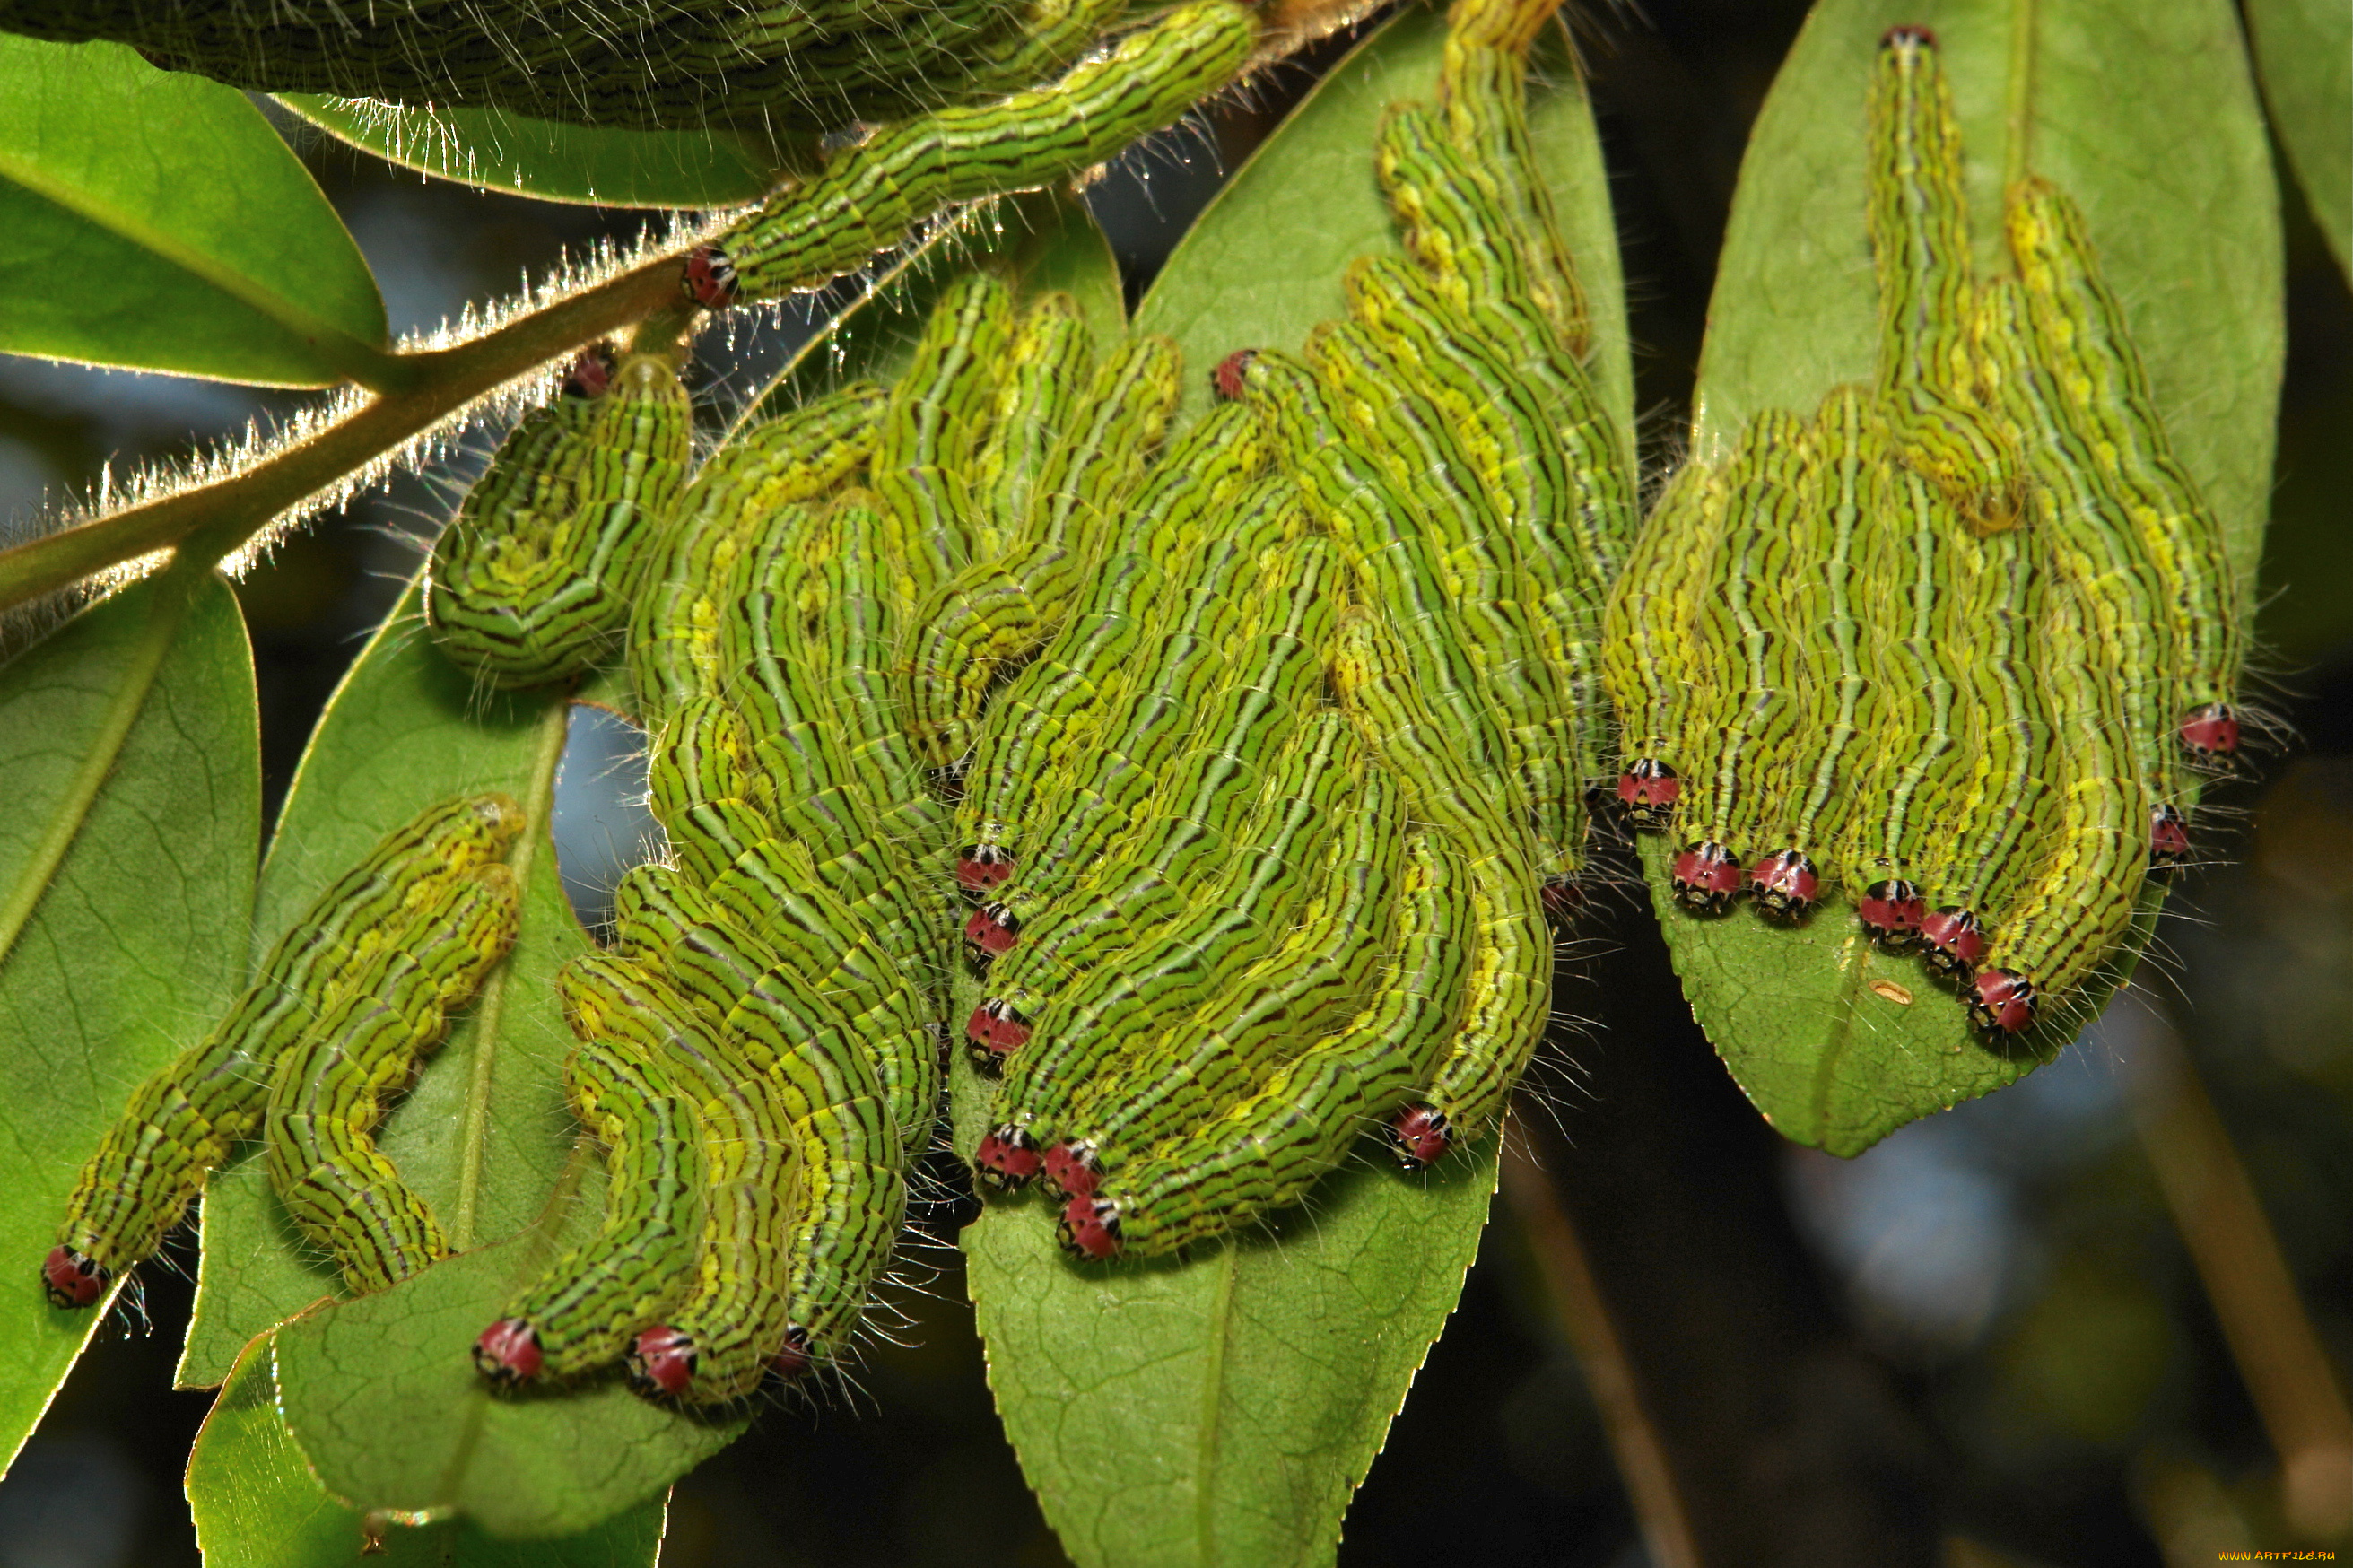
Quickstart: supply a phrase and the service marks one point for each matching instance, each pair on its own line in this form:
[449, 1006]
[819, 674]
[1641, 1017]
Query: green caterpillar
[1509, 998]
[870, 195]
[1165, 976]
[932, 431]
[532, 582]
[580, 1313]
[1812, 791]
[2080, 337]
[1263, 1152]
[815, 1038]
[1651, 656]
[329, 1089]
[1087, 807]
[997, 612]
[184, 1119]
[1271, 671]
[1534, 709]
[1075, 687]
[802, 69]
[752, 488]
[1928, 381]
[1316, 977]
[1743, 713]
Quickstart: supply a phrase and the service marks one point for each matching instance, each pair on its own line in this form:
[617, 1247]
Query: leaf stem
[212, 520]
[473, 1133]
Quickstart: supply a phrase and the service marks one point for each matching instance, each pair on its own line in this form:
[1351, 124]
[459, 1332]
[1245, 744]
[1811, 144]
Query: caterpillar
[1188, 959]
[1314, 977]
[1050, 361]
[1264, 1151]
[1377, 534]
[1505, 1011]
[2078, 906]
[799, 68]
[1912, 578]
[997, 612]
[934, 428]
[1087, 807]
[1271, 665]
[1743, 718]
[2081, 335]
[328, 1090]
[1928, 381]
[582, 1312]
[1814, 789]
[1535, 713]
[752, 485]
[185, 1118]
[1651, 655]
[814, 1035]
[872, 194]
[532, 582]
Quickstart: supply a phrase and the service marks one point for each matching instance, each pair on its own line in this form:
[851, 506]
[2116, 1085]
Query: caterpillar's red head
[1230, 378]
[2212, 732]
[992, 931]
[1649, 789]
[997, 1031]
[1420, 1136]
[2168, 838]
[793, 1358]
[70, 1280]
[1952, 941]
[1786, 884]
[1908, 36]
[591, 375]
[710, 279]
[662, 1361]
[981, 868]
[1706, 878]
[2002, 1002]
[1073, 1167]
[1089, 1228]
[1007, 1158]
[1892, 912]
[508, 1351]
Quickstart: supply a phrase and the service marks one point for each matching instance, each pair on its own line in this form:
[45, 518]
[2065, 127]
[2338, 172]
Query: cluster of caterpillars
[1215, 782]
[1959, 643]
[1260, 839]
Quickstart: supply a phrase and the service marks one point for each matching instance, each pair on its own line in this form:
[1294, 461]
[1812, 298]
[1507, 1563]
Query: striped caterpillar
[532, 581]
[802, 67]
[345, 1003]
[869, 196]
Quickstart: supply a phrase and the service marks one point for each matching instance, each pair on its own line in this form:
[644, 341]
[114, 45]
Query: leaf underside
[2146, 115]
[153, 219]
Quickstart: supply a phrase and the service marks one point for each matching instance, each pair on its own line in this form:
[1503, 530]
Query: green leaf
[153, 219]
[2304, 52]
[257, 1504]
[381, 1392]
[131, 748]
[1224, 1409]
[2147, 116]
[497, 149]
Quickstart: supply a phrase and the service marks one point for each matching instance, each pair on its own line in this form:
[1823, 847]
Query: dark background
[1983, 1342]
